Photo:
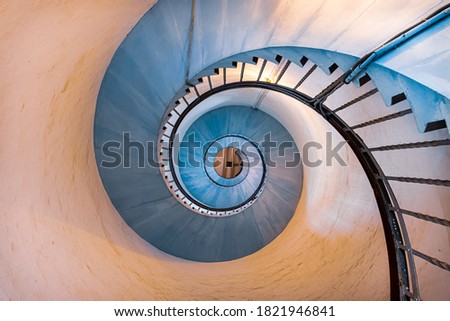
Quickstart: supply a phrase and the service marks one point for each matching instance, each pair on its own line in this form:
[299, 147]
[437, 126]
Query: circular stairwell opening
[228, 163]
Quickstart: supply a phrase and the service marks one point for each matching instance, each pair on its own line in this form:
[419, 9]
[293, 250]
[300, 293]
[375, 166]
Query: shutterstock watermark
[193, 152]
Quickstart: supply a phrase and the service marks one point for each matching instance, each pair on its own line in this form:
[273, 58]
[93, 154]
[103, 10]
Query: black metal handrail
[204, 208]
[403, 277]
[395, 232]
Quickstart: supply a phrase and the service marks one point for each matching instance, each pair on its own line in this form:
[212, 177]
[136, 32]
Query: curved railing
[403, 276]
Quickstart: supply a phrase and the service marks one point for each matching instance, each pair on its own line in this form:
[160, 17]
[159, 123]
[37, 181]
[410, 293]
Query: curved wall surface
[62, 238]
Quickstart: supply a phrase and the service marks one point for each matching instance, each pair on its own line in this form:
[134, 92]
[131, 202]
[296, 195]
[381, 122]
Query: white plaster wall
[61, 238]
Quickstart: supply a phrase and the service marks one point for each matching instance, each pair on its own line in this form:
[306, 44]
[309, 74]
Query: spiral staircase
[373, 227]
